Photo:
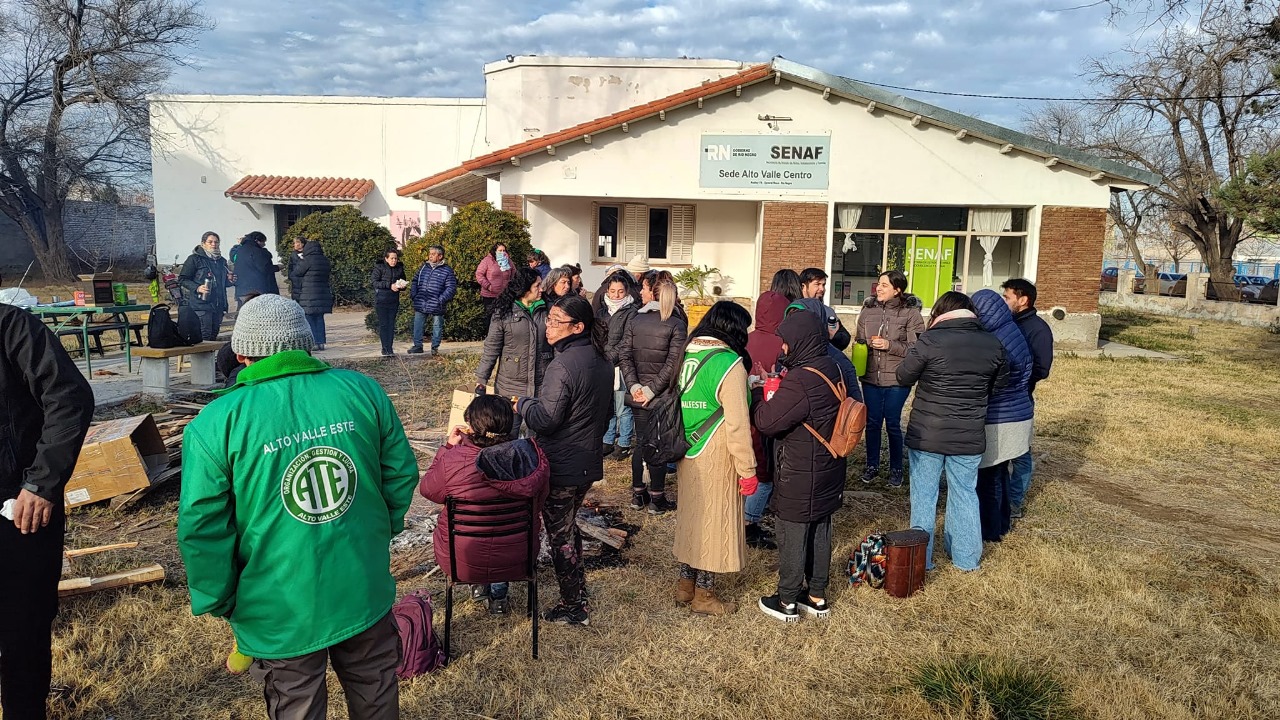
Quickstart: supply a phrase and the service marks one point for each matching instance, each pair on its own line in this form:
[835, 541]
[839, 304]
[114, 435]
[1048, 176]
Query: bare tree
[1192, 106]
[74, 78]
[1167, 242]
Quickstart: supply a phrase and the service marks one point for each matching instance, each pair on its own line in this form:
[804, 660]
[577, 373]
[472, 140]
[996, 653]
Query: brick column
[513, 204]
[1071, 243]
[794, 236]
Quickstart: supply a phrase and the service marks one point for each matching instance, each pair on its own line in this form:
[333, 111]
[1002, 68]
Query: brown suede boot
[684, 591]
[706, 602]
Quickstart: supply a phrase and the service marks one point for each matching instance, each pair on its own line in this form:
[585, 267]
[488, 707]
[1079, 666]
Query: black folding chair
[492, 519]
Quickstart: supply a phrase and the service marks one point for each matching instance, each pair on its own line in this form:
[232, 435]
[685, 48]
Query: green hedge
[352, 242]
[466, 239]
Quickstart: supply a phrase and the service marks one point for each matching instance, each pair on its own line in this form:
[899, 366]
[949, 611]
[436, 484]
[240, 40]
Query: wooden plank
[601, 534]
[80, 552]
[80, 586]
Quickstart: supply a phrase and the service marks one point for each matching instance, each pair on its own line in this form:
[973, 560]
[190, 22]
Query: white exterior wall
[876, 158]
[530, 97]
[202, 145]
[725, 234]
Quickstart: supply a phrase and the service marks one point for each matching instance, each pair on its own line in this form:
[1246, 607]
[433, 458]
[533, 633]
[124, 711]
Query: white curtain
[993, 220]
[848, 216]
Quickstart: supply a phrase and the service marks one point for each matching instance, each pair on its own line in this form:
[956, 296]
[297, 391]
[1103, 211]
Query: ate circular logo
[319, 485]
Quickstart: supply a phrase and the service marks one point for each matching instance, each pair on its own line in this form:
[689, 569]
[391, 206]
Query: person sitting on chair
[481, 461]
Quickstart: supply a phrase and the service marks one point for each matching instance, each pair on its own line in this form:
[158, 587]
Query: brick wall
[1071, 242]
[515, 204]
[101, 236]
[795, 236]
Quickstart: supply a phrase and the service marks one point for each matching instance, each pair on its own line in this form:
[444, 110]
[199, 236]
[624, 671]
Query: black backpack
[162, 331]
[666, 442]
[189, 325]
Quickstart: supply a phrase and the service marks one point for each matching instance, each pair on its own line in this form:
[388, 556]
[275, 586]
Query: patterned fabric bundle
[867, 563]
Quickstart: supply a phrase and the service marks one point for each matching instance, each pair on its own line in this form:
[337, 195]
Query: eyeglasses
[558, 321]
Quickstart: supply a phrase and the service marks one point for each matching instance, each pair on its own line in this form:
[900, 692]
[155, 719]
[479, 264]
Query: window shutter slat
[595, 230]
[635, 235]
[681, 242]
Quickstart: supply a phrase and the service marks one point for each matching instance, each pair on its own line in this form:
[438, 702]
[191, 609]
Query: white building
[748, 169]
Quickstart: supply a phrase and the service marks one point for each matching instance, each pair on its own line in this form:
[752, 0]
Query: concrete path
[112, 382]
[1106, 348]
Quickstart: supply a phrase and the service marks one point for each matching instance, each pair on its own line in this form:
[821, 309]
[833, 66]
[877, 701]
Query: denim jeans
[962, 526]
[1020, 481]
[757, 502]
[317, 328]
[884, 407]
[498, 591]
[621, 423]
[993, 501]
[437, 329]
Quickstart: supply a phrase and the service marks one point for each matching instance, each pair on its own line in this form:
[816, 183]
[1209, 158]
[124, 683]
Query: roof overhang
[293, 190]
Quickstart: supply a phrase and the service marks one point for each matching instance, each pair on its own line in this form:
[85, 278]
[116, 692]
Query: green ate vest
[698, 400]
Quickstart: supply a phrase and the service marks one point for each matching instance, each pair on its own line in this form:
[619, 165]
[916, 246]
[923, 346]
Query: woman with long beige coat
[720, 467]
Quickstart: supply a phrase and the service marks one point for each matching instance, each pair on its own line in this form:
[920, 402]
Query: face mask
[502, 255]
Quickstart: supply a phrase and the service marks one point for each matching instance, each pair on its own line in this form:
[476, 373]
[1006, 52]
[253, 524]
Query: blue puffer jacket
[1013, 403]
[433, 288]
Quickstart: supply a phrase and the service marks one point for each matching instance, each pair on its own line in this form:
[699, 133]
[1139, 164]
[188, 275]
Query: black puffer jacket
[652, 350]
[199, 268]
[958, 366]
[310, 275]
[610, 329]
[517, 344]
[809, 483]
[45, 409]
[572, 410]
[254, 270]
[382, 277]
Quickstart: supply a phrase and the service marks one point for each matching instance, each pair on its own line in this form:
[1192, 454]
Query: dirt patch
[1225, 523]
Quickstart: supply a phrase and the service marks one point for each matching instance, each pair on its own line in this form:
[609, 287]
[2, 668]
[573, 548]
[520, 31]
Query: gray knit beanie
[269, 324]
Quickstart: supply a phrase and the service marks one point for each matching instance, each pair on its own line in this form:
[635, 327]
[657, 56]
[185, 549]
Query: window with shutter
[680, 240]
[635, 232]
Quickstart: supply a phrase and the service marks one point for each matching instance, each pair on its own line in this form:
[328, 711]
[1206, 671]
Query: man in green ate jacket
[293, 484]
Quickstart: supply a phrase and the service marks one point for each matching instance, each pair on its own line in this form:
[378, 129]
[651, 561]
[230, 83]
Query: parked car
[1240, 281]
[1174, 284]
[1253, 287]
[1110, 278]
[1269, 292]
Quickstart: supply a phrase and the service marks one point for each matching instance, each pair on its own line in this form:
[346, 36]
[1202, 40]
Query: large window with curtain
[938, 248]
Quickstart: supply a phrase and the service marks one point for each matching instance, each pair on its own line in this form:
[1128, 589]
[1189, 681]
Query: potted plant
[693, 282]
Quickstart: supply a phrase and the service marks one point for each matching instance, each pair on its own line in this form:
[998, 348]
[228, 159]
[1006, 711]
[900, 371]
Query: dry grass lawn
[1141, 584]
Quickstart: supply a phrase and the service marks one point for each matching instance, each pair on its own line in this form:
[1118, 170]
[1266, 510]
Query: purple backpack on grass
[420, 649]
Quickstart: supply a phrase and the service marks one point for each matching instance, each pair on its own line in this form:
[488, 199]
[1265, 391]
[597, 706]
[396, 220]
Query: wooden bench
[155, 365]
[95, 331]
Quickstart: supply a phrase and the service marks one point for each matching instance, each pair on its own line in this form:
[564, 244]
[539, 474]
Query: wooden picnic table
[60, 318]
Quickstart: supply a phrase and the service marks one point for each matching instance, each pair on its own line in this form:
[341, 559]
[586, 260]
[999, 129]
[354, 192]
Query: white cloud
[401, 47]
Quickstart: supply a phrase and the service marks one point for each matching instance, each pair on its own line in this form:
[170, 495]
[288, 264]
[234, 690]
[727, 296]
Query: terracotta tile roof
[752, 74]
[281, 187]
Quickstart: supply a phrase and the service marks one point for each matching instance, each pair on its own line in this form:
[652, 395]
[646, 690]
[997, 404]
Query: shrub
[466, 239]
[353, 244]
[1001, 689]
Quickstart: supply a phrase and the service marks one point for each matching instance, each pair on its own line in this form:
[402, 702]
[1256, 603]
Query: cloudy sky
[436, 48]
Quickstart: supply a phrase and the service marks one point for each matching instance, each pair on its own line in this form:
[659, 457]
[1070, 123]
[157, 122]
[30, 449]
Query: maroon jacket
[763, 344]
[514, 470]
[492, 278]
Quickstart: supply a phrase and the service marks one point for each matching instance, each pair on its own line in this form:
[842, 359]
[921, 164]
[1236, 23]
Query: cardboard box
[118, 456]
[458, 408]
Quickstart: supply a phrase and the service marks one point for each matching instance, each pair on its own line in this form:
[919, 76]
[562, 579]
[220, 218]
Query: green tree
[1255, 194]
[466, 238]
[352, 242]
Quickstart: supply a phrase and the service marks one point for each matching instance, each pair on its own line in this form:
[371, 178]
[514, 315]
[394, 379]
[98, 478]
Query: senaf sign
[745, 162]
